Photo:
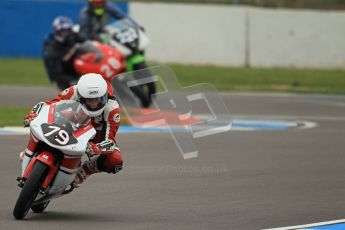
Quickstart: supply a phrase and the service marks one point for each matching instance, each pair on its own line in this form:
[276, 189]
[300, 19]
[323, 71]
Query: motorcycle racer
[98, 102]
[57, 55]
[96, 15]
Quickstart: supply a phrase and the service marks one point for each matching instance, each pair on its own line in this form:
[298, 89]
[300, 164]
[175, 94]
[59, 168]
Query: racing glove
[104, 147]
[33, 114]
[92, 149]
[107, 146]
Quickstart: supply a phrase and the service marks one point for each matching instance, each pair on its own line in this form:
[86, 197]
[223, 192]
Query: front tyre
[30, 190]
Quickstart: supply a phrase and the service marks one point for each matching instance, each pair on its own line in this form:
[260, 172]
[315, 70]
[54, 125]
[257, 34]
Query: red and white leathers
[106, 125]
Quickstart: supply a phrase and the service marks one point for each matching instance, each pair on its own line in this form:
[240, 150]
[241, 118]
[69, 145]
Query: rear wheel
[39, 208]
[140, 93]
[30, 190]
[150, 87]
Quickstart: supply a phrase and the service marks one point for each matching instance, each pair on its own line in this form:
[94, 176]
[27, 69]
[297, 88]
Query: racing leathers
[107, 154]
[91, 25]
[58, 60]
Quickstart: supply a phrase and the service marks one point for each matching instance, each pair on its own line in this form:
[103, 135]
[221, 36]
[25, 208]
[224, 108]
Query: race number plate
[58, 135]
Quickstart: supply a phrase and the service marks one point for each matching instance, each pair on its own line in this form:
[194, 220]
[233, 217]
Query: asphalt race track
[241, 179]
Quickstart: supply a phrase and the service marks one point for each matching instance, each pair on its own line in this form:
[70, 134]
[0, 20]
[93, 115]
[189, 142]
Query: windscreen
[70, 116]
[125, 32]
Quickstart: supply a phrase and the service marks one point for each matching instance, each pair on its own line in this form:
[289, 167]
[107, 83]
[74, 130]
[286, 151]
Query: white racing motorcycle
[63, 131]
[131, 40]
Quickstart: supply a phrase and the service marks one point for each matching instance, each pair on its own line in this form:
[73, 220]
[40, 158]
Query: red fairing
[70, 162]
[46, 158]
[112, 63]
[32, 144]
[80, 132]
[51, 114]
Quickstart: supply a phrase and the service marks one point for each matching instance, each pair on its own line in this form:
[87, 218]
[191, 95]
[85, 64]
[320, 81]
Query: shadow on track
[70, 216]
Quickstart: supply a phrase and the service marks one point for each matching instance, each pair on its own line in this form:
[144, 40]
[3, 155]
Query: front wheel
[30, 190]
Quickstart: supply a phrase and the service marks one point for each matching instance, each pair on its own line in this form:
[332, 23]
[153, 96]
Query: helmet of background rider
[62, 27]
[97, 7]
[92, 94]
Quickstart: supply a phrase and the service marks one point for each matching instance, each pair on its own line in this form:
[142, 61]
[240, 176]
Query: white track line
[309, 225]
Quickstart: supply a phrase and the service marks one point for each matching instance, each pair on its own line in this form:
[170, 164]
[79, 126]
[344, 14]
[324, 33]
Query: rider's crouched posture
[98, 102]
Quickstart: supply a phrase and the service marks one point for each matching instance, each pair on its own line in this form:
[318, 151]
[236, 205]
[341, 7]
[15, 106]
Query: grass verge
[13, 116]
[31, 72]
[22, 72]
[267, 80]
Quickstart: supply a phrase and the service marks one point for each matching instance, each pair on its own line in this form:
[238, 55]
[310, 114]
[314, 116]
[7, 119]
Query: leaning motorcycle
[63, 131]
[131, 40]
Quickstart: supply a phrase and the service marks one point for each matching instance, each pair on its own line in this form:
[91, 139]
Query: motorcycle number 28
[112, 64]
[57, 135]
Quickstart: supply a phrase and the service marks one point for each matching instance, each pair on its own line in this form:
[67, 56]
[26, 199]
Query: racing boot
[21, 156]
[25, 158]
[26, 155]
[87, 168]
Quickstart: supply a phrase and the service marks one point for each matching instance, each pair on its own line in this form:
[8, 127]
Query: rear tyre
[30, 190]
[140, 93]
[150, 87]
[39, 208]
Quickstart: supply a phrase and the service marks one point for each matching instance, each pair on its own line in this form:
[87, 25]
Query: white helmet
[91, 86]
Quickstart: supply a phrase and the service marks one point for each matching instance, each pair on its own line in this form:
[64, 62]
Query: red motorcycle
[96, 57]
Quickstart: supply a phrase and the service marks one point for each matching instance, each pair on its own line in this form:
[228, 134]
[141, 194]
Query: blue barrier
[25, 23]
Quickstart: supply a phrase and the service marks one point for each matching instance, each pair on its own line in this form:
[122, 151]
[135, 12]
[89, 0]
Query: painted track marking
[238, 125]
[329, 225]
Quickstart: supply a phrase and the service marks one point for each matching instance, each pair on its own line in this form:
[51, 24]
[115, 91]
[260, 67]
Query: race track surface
[241, 179]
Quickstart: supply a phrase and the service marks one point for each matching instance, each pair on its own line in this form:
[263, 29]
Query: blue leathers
[59, 68]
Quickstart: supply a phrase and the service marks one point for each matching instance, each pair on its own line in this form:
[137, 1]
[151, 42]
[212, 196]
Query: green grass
[22, 72]
[31, 72]
[13, 116]
[268, 80]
